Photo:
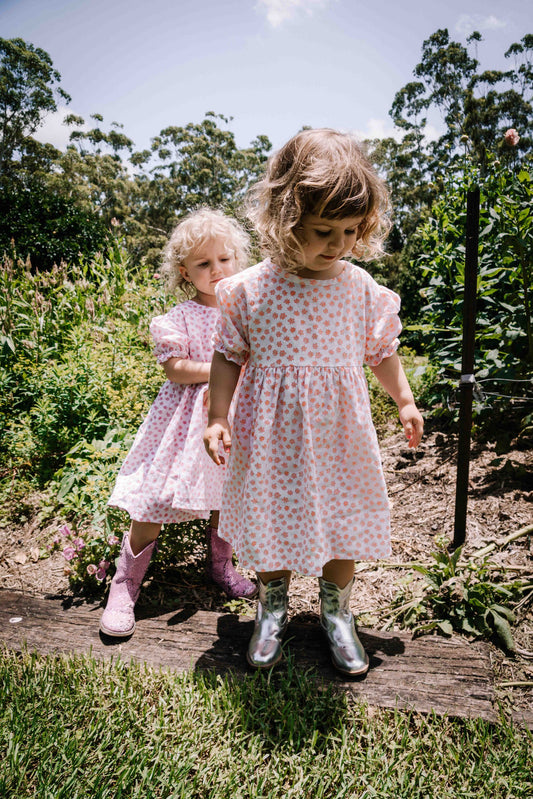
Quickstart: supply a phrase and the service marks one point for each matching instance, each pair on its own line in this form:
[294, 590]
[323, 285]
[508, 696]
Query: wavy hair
[325, 173]
[199, 226]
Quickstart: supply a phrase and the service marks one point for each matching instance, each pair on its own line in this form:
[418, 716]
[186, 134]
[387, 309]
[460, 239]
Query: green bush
[504, 338]
[46, 227]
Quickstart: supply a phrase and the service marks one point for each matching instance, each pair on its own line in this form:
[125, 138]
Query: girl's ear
[183, 272]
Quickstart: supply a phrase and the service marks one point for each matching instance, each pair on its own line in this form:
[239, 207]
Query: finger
[212, 449]
[226, 441]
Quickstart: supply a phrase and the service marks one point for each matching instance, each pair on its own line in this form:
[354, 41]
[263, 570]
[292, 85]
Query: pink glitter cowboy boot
[221, 570]
[118, 618]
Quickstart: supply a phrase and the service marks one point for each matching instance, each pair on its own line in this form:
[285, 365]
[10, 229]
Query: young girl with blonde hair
[305, 489]
[167, 476]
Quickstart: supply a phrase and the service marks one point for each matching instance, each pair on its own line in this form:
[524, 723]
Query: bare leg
[339, 572]
[142, 534]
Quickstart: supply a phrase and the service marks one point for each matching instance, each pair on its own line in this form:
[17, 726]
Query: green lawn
[73, 728]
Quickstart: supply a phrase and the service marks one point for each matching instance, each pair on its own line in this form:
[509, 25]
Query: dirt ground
[421, 488]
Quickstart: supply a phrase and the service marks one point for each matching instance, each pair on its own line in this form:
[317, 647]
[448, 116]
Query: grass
[77, 728]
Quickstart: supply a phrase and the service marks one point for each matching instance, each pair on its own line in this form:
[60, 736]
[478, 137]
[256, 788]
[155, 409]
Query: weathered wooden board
[426, 674]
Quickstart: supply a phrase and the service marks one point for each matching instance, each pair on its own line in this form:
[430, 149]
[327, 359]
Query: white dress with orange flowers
[305, 483]
[167, 475]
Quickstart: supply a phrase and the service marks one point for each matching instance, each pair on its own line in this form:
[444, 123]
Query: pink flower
[511, 137]
[100, 575]
[65, 531]
[69, 553]
[156, 275]
[112, 540]
[92, 568]
[78, 543]
[104, 564]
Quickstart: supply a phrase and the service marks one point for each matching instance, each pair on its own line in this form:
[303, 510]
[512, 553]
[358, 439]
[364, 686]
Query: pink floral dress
[305, 483]
[167, 475]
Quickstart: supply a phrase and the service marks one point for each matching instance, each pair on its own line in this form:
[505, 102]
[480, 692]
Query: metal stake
[467, 366]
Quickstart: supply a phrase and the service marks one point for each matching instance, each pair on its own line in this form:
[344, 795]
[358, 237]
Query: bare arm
[184, 371]
[392, 377]
[222, 384]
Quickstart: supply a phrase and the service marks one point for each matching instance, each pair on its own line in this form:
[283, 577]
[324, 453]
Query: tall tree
[29, 85]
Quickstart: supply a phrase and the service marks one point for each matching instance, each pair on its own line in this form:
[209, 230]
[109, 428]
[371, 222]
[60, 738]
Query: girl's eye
[349, 232]
[322, 233]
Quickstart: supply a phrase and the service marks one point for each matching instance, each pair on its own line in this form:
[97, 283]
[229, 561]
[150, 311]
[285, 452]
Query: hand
[218, 430]
[413, 424]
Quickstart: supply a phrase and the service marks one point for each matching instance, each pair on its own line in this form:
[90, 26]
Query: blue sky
[272, 65]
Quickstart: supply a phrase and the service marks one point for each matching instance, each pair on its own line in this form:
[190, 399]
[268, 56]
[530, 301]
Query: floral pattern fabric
[304, 483]
[167, 476]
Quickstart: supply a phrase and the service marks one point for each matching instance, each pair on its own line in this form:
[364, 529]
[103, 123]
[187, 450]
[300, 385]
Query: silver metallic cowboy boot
[336, 618]
[264, 649]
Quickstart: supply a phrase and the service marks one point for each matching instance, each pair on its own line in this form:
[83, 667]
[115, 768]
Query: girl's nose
[337, 240]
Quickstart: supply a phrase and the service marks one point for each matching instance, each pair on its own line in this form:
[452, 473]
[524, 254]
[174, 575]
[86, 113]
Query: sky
[271, 65]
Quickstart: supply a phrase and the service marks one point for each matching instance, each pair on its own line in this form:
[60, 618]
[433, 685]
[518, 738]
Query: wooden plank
[426, 674]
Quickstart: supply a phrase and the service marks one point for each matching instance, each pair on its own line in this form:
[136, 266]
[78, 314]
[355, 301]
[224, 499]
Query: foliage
[40, 225]
[90, 541]
[34, 220]
[187, 166]
[452, 93]
[76, 358]
[471, 598]
[28, 84]
[504, 338]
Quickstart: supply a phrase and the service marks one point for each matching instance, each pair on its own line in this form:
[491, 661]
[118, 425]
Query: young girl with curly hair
[305, 489]
[167, 476]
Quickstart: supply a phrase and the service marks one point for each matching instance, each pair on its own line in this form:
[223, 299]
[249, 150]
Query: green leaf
[503, 631]
[445, 627]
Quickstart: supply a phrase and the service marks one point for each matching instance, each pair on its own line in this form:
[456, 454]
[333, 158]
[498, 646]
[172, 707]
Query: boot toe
[264, 655]
[117, 624]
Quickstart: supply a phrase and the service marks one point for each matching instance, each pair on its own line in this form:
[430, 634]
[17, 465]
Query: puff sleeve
[169, 333]
[231, 333]
[383, 324]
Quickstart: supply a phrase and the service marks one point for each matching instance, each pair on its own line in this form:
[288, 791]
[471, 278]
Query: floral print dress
[304, 483]
[167, 475]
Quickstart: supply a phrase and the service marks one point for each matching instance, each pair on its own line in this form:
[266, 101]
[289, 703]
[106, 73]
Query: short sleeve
[383, 324]
[170, 335]
[231, 333]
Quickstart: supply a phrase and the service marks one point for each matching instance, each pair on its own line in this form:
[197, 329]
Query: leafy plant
[470, 598]
[504, 338]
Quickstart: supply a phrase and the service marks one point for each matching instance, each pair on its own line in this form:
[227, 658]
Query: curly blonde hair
[200, 226]
[322, 172]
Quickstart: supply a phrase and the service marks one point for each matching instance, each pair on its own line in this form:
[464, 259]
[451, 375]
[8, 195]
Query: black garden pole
[467, 367]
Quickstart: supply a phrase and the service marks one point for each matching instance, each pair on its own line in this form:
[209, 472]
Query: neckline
[293, 278]
[201, 305]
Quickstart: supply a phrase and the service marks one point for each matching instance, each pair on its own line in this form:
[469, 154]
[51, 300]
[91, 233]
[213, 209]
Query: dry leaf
[20, 557]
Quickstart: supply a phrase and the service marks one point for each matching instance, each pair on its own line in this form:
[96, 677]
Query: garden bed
[422, 494]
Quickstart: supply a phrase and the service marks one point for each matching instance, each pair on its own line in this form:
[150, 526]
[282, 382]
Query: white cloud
[380, 129]
[53, 131]
[467, 23]
[279, 11]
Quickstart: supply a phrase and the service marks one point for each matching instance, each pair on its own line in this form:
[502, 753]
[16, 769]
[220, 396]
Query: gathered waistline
[294, 366]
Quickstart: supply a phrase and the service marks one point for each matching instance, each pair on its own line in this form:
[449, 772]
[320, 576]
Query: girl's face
[324, 242]
[211, 261]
